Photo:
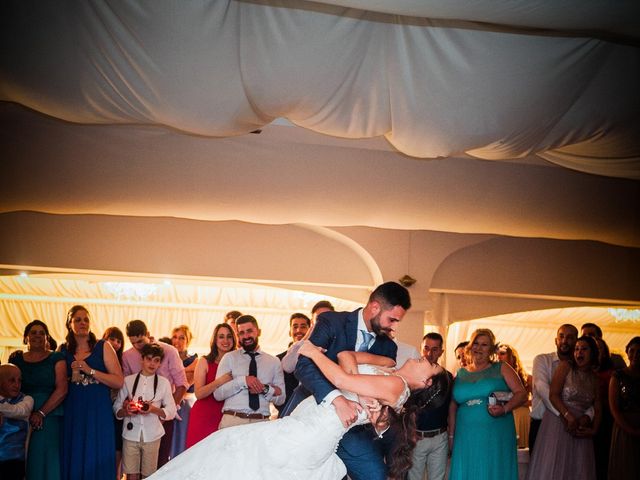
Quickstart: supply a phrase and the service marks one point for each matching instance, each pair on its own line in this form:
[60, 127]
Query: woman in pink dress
[207, 411]
[566, 440]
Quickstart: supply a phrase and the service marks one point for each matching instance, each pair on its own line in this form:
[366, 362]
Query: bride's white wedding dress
[301, 446]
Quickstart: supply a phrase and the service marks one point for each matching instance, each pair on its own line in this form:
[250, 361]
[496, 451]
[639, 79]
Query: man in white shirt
[543, 367]
[144, 400]
[257, 379]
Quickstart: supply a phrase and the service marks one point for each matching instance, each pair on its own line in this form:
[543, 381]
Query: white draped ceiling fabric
[493, 80]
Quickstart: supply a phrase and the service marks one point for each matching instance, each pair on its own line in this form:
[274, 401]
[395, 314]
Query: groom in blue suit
[366, 329]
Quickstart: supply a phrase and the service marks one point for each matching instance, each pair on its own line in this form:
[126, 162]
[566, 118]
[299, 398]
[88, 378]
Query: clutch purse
[500, 398]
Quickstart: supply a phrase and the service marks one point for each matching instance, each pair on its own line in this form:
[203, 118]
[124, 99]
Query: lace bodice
[366, 369]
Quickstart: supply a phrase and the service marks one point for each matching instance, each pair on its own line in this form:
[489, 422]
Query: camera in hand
[141, 405]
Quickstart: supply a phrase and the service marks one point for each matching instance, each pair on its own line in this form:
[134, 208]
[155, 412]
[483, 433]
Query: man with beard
[543, 367]
[368, 329]
[299, 325]
[257, 379]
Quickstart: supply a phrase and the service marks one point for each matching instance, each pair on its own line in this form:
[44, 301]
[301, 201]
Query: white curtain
[201, 307]
[439, 84]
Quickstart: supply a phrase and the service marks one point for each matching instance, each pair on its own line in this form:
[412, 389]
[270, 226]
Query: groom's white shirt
[331, 396]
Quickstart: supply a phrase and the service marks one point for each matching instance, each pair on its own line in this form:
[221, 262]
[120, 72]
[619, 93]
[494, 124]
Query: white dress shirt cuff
[330, 397]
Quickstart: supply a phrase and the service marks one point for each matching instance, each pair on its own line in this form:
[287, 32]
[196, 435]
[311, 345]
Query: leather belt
[252, 416]
[430, 433]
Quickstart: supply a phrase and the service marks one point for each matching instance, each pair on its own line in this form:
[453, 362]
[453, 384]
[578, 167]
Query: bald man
[15, 408]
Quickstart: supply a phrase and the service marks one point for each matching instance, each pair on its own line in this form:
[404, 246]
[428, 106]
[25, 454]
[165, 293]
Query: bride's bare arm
[349, 360]
[387, 389]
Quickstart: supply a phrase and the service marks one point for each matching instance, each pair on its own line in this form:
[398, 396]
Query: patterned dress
[557, 453]
[624, 462]
[88, 448]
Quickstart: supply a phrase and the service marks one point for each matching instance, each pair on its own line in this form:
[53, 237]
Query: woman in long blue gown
[88, 448]
[484, 436]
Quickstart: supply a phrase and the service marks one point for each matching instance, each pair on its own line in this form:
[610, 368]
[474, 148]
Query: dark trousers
[12, 469]
[363, 453]
[534, 426]
[165, 444]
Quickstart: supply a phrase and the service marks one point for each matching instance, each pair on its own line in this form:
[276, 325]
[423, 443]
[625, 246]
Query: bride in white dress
[302, 445]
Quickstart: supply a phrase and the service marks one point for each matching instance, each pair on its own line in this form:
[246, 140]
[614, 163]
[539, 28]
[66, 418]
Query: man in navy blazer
[364, 329]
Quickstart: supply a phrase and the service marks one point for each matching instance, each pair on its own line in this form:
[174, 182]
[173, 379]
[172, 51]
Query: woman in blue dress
[482, 432]
[88, 447]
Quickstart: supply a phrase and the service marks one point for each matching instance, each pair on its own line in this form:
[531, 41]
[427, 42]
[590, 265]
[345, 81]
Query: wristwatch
[265, 390]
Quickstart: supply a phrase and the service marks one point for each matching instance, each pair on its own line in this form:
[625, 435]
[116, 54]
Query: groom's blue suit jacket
[337, 332]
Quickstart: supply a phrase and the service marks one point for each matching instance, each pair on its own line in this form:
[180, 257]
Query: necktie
[366, 339]
[254, 398]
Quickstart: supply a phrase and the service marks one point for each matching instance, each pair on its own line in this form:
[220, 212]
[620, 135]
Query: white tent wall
[162, 305]
[534, 332]
[459, 277]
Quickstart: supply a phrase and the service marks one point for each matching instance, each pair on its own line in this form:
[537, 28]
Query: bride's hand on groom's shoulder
[308, 349]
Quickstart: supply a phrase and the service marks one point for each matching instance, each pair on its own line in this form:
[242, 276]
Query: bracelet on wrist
[40, 412]
[565, 414]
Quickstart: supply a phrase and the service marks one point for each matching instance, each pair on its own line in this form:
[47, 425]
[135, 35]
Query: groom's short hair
[391, 294]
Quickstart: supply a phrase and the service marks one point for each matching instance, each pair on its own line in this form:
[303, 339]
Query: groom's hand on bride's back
[346, 410]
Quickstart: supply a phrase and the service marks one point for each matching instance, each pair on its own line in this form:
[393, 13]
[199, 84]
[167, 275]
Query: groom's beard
[377, 328]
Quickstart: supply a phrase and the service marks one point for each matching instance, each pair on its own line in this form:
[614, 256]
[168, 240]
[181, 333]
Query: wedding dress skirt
[301, 446]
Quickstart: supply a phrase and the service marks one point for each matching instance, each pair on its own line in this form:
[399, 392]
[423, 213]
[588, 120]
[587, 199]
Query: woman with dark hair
[624, 399]
[564, 445]
[207, 411]
[602, 437]
[88, 447]
[44, 377]
[115, 337]
[303, 444]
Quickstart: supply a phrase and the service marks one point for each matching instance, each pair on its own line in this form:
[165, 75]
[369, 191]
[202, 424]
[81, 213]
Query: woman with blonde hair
[181, 337]
[508, 354]
[481, 428]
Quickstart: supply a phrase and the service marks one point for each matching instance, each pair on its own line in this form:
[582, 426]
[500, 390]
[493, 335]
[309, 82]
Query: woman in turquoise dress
[482, 433]
[44, 377]
[88, 447]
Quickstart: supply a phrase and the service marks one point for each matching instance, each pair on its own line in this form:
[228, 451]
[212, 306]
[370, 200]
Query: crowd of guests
[91, 409]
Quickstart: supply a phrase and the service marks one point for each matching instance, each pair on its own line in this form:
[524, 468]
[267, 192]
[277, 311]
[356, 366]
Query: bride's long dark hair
[404, 422]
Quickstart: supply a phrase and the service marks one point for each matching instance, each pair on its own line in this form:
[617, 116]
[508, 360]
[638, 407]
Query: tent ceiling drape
[434, 88]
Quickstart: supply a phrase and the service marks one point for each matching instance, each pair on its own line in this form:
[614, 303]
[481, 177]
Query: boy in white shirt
[143, 401]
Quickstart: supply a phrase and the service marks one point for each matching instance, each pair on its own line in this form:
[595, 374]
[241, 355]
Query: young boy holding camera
[143, 401]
